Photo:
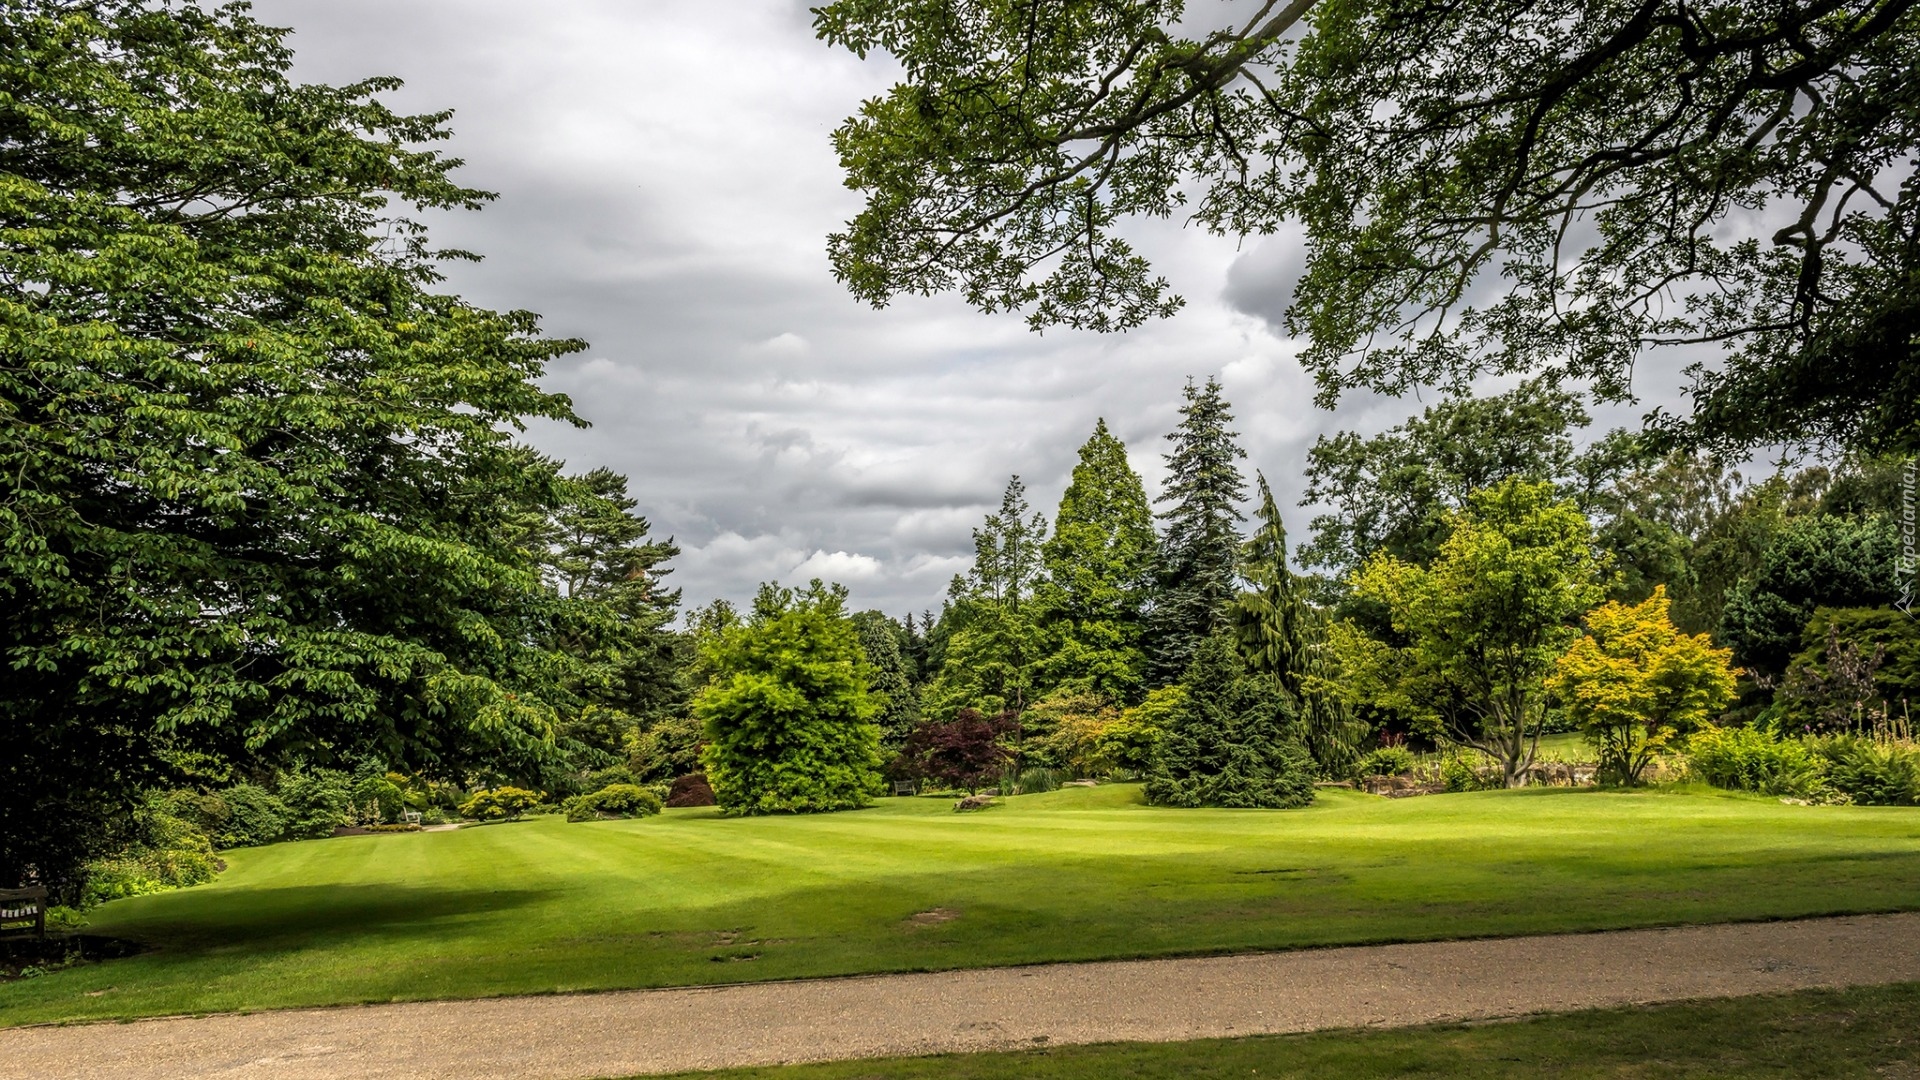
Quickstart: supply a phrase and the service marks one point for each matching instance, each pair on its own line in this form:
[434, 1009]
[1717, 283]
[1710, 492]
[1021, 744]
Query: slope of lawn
[1866, 1033]
[691, 897]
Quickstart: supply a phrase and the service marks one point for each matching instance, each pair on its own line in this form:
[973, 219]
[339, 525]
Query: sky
[666, 186]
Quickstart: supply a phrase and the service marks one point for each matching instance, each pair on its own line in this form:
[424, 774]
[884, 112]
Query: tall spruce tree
[1196, 576]
[991, 642]
[1099, 565]
[1282, 635]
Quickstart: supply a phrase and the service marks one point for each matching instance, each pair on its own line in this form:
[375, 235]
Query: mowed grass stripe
[1081, 874]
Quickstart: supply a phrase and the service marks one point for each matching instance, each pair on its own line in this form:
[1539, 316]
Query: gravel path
[629, 1032]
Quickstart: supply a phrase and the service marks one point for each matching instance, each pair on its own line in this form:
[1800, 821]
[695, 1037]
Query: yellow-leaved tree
[1634, 683]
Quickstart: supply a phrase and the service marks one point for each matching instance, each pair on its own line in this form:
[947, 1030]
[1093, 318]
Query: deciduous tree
[1485, 622]
[789, 720]
[259, 498]
[1634, 684]
[1509, 186]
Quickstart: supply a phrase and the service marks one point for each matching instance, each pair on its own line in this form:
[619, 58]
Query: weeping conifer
[1281, 635]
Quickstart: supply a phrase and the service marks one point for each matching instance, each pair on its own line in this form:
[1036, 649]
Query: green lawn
[1079, 874]
[1866, 1033]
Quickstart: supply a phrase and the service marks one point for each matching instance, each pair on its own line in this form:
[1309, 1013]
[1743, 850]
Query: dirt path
[628, 1032]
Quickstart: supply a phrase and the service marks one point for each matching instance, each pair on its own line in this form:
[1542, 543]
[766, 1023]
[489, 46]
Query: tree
[896, 705]
[1485, 622]
[1281, 635]
[1099, 564]
[1855, 666]
[1484, 188]
[1812, 562]
[1195, 578]
[789, 720]
[965, 752]
[612, 627]
[990, 641]
[1634, 683]
[1233, 741]
[259, 499]
[1393, 492]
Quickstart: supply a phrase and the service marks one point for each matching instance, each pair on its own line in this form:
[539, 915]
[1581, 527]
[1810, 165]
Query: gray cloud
[666, 186]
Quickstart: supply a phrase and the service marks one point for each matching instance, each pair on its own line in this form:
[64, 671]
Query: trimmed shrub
[619, 800]
[690, 790]
[499, 804]
[1748, 759]
[254, 816]
[1872, 773]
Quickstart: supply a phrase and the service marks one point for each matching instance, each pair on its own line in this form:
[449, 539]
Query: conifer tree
[896, 705]
[1098, 565]
[1281, 635]
[1232, 741]
[1199, 551]
[990, 639]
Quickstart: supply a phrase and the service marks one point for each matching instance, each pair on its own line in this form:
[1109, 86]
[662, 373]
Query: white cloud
[677, 220]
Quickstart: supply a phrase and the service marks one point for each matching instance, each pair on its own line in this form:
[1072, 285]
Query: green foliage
[228, 384]
[1069, 730]
[668, 748]
[1749, 759]
[1281, 635]
[1484, 624]
[1855, 664]
[254, 816]
[1195, 573]
[1128, 741]
[377, 799]
[789, 720]
[1435, 158]
[1811, 562]
[1099, 564]
[1233, 742]
[896, 704]
[1461, 771]
[1385, 761]
[499, 804]
[1870, 772]
[1634, 684]
[617, 800]
[991, 637]
[1394, 492]
[166, 851]
[317, 802]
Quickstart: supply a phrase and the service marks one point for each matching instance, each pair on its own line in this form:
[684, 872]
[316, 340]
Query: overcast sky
[666, 186]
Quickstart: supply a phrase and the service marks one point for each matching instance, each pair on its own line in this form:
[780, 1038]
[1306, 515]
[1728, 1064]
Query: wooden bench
[23, 912]
[905, 787]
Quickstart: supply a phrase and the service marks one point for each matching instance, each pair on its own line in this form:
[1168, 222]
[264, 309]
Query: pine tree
[1199, 551]
[1233, 741]
[1098, 564]
[1281, 635]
